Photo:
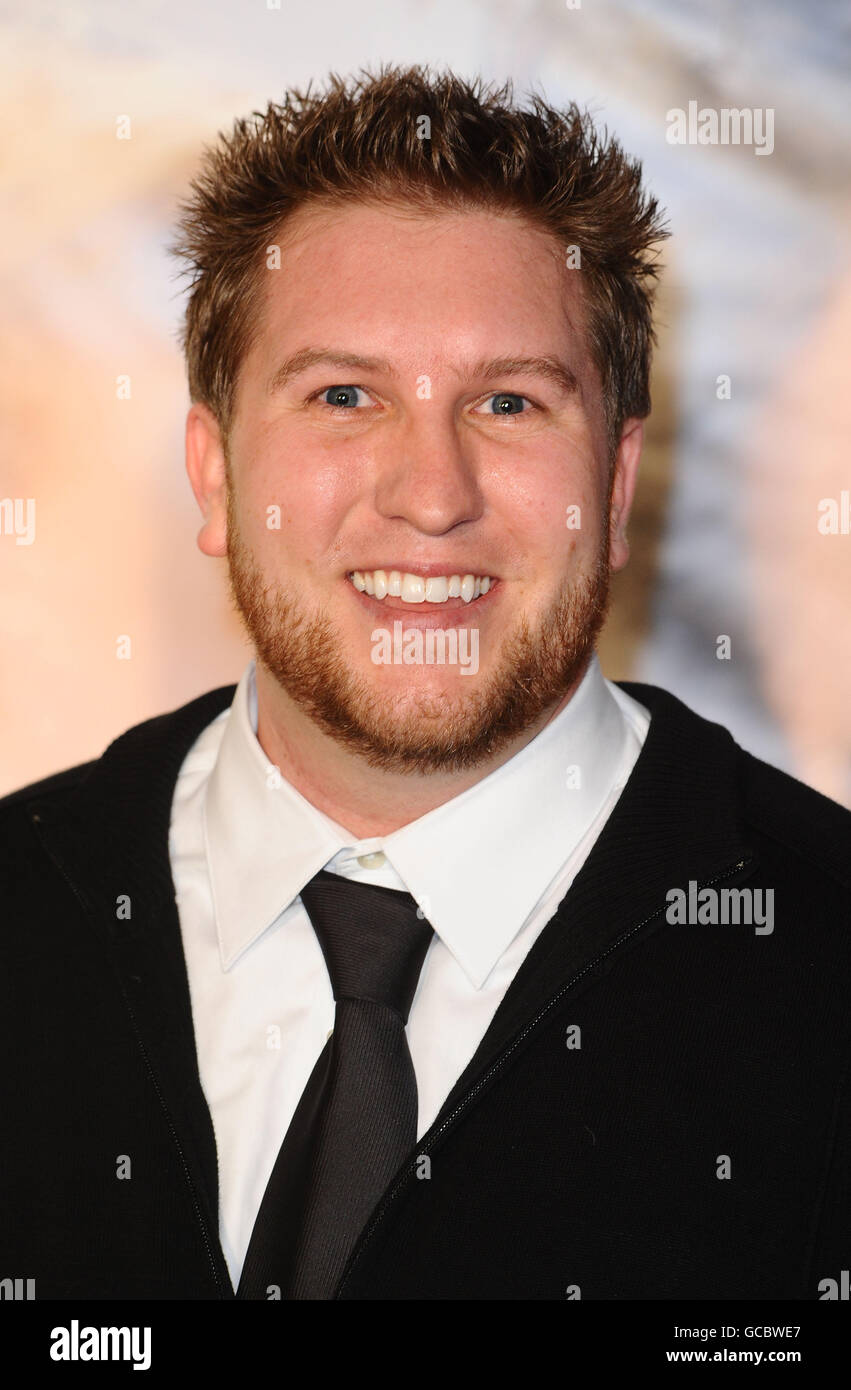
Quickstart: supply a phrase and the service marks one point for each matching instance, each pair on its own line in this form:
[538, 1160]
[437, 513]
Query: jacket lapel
[676, 820]
[110, 840]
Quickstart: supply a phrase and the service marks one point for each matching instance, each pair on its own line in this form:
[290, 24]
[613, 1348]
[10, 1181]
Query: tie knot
[373, 940]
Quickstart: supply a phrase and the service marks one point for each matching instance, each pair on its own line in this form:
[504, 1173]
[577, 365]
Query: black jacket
[693, 1141]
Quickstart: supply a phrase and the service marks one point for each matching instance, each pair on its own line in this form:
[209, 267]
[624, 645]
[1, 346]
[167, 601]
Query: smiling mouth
[418, 588]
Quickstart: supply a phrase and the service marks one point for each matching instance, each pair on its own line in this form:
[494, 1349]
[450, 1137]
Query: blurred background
[752, 410]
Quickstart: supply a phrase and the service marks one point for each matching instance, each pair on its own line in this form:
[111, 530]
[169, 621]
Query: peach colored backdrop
[757, 288]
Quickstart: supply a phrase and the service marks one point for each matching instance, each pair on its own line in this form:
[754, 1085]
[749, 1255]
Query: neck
[365, 800]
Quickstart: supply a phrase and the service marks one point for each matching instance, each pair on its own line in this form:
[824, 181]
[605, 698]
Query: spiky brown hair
[362, 139]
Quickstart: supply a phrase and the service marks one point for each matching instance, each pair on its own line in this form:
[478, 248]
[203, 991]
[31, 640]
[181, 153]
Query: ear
[623, 491]
[205, 464]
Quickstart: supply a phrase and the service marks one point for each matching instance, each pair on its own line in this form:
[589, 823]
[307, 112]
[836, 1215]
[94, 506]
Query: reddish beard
[536, 668]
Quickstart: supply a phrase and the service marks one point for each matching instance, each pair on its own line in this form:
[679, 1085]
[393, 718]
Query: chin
[401, 697]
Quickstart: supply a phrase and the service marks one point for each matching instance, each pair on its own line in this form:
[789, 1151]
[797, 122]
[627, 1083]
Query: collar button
[372, 861]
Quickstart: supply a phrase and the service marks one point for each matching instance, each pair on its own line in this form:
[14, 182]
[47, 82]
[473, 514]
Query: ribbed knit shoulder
[807, 824]
[53, 786]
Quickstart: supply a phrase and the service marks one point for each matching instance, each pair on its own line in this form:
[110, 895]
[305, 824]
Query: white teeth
[415, 588]
[437, 590]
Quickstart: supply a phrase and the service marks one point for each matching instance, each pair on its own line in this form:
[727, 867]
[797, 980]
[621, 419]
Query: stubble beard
[536, 668]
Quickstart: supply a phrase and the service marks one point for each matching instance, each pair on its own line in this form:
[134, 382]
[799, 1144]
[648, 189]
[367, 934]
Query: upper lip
[428, 571]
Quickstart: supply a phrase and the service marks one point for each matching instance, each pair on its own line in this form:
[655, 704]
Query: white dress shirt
[488, 869]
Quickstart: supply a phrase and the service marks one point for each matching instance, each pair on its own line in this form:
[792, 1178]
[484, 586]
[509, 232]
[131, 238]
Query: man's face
[453, 428]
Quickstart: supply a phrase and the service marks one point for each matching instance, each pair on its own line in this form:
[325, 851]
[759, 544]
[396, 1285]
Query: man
[425, 963]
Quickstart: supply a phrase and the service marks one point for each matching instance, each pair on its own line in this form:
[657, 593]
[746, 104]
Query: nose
[427, 474]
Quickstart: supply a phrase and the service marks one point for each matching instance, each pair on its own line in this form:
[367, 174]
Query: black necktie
[356, 1121]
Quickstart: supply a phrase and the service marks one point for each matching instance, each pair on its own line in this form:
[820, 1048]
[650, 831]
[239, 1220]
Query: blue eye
[342, 396]
[506, 403]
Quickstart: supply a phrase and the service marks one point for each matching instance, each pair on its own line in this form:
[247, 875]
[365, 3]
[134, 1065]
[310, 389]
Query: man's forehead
[298, 327]
[505, 249]
[386, 212]
[518, 266]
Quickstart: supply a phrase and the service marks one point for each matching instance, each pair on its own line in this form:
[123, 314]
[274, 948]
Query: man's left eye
[505, 403]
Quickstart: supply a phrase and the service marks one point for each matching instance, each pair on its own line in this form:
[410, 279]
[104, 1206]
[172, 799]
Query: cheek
[292, 497]
[547, 474]
[579, 504]
[556, 523]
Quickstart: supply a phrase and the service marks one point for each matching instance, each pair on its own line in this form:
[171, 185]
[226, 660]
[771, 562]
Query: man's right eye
[343, 397]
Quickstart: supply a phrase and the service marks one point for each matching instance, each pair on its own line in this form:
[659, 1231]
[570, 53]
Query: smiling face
[421, 406]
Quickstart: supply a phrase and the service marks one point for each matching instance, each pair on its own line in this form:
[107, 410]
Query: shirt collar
[477, 865]
[264, 840]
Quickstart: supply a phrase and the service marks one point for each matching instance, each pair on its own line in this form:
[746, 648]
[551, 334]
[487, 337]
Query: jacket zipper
[432, 1136]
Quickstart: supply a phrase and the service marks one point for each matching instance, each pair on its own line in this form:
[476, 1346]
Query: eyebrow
[549, 368]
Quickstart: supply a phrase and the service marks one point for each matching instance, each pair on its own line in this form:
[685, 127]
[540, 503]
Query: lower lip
[448, 614]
